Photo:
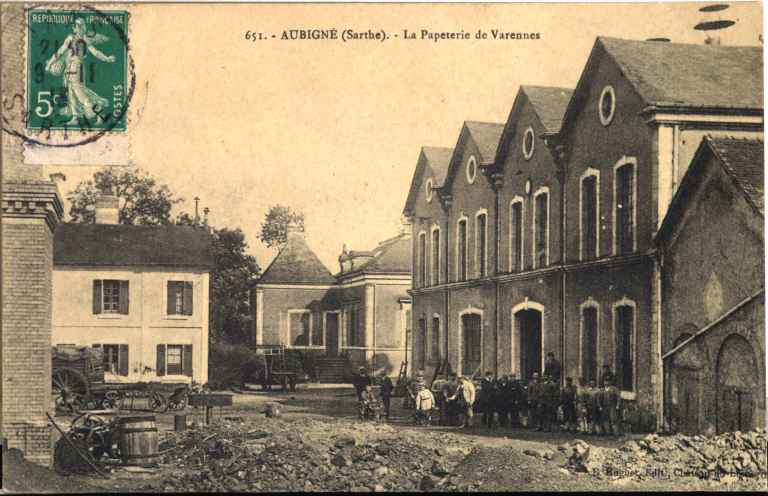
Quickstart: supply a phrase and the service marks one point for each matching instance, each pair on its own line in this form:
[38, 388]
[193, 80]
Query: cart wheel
[158, 403]
[70, 389]
[111, 400]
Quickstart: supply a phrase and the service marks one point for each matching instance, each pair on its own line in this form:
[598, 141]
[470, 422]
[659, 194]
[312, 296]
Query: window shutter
[188, 300]
[160, 360]
[187, 360]
[122, 360]
[171, 304]
[96, 296]
[124, 297]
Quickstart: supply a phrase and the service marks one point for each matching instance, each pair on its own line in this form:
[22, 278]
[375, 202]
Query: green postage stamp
[77, 69]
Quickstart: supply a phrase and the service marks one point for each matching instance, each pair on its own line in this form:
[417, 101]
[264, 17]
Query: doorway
[471, 326]
[529, 329]
[737, 381]
[332, 334]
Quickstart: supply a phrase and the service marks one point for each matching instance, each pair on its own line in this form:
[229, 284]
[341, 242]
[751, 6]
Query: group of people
[541, 404]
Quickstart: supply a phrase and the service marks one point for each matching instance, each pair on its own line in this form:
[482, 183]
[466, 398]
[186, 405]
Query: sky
[334, 129]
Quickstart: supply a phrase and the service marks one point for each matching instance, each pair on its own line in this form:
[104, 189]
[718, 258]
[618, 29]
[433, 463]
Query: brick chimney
[107, 208]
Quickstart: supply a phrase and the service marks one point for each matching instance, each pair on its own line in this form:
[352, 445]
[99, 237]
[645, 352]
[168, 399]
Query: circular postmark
[77, 74]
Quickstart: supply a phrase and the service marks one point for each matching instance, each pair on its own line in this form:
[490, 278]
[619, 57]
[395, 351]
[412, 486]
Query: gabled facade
[360, 314]
[713, 332]
[141, 293]
[581, 182]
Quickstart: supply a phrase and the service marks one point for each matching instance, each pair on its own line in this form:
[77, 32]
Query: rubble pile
[726, 457]
[270, 455]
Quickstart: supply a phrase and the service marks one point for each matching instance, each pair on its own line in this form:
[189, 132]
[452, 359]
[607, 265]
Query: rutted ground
[317, 444]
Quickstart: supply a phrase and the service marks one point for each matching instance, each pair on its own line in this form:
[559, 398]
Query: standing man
[386, 392]
[517, 400]
[606, 375]
[568, 403]
[551, 399]
[503, 400]
[534, 400]
[465, 395]
[593, 408]
[610, 402]
[487, 398]
[361, 380]
[552, 368]
[449, 389]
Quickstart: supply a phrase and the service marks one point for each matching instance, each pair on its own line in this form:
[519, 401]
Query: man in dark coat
[361, 380]
[386, 392]
[610, 403]
[549, 403]
[517, 400]
[503, 400]
[606, 375]
[487, 399]
[552, 368]
[568, 404]
[534, 403]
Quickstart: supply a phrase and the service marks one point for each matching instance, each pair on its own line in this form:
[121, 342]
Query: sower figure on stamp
[82, 102]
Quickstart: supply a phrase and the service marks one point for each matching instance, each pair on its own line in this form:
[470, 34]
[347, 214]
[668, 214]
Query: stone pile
[729, 456]
[276, 455]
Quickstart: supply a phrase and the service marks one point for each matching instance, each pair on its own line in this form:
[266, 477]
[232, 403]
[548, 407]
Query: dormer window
[607, 105]
[428, 189]
[471, 169]
[528, 143]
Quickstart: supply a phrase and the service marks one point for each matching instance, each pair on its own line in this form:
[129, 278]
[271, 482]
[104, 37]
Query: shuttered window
[110, 296]
[589, 218]
[115, 358]
[174, 359]
[516, 237]
[180, 298]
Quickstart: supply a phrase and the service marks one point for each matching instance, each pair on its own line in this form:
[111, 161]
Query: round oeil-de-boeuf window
[471, 169]
[607, 105]
[528, 143]
[428, 188]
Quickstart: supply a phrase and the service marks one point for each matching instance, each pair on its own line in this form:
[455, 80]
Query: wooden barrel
[138, 440]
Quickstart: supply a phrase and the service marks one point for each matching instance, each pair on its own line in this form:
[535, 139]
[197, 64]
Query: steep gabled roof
[486, 136]
[390, 256]
[126, 245]
[296, 263]
[437, 159]
[679, 76]
[741, 159]
[550, 103]
[690, 75]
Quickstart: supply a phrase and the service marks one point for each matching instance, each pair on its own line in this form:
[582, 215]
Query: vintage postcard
[387, 247]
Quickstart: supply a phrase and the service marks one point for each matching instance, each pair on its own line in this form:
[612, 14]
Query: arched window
[589, 239]
[481, 243]
[541, 227]
[624, 323]
[422, 259]
[589, 340]
[624, 206]
[435, 256]
[516, 234]
[461, 249]
[435, 341]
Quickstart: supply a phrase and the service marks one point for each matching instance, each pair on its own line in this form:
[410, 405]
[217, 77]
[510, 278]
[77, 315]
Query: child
[425, 401]
[369, 405]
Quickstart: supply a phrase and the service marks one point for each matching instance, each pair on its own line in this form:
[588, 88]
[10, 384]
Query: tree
[141, 199]
[274, 229]
[231, 280]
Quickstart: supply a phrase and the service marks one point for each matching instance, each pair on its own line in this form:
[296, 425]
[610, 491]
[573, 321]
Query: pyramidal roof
[296, 263]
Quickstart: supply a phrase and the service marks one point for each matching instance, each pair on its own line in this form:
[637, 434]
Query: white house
[139, 292]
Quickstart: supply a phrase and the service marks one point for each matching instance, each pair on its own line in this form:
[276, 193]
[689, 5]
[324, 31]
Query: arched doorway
[737, 381]
[686, 409]
[529, 329]
[471, 344]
